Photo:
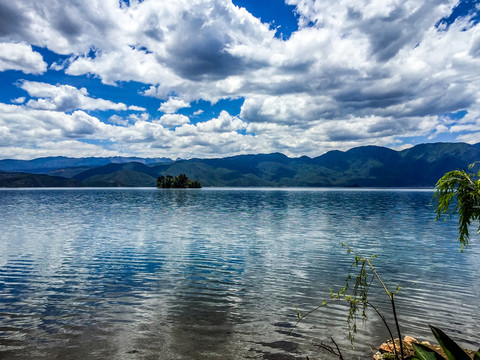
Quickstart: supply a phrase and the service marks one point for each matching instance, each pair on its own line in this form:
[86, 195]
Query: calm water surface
[216, 273]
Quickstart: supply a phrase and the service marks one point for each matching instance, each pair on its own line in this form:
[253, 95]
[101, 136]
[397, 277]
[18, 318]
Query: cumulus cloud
[172, 45]
[386, 26]
[471, 138]
[23, 127]
[70, 148]
[118, 120]
[136, 108]
[138, 117]
[63, 27]
[19, 100]
[172, 105]
[224, 123]
[172, 120]
[31, 126]
[66, 98]
[19, 56]
[29, 129]
[354, 73]
[290, 109]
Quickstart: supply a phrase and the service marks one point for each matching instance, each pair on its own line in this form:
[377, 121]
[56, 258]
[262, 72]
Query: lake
[217, 273]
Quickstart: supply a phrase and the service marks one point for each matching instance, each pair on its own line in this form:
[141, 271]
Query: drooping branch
[465, 189]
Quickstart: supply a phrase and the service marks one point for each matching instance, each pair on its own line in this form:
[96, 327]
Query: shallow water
[217, 273]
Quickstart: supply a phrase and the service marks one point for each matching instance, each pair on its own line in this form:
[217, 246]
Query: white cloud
[19, 56]
[471, 138]
[172, 105]
[139, 117]
[19, 100]
[67, 98]
[118, 120]
[29, 129]
[31, 126]
[63, 27]
[172, 120]
[354, 73]
[136, 108]
[70, 148]
[198, 112]
[222, 136]
[223, 123]
[290, 109]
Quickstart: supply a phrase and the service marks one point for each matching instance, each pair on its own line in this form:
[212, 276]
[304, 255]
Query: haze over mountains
[368, 166]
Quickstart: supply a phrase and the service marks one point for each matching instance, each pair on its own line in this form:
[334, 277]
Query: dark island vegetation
[178, 182]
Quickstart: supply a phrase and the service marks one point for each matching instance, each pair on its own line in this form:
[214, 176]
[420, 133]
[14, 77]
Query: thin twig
[390, 295]
[306, 314]
[386, 325]
[398, 327]
[379, 279]
[330, 349]
[338, 349]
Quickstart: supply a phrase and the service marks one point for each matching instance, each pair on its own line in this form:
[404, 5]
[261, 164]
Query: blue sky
[214, 78]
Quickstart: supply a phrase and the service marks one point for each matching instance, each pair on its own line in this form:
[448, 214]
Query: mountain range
[367, 166]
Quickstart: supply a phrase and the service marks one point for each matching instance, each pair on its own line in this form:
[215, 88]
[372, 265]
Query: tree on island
[178, 182]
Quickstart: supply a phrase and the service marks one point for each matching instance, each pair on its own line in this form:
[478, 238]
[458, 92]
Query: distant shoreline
[215, 188]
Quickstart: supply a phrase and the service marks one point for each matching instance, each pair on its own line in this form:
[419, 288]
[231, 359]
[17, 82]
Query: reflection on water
[215, 274]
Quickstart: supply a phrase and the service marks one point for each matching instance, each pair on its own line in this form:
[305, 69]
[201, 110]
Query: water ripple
[136, 274]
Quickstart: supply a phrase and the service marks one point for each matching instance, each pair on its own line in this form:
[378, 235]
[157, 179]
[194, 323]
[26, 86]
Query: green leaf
[477, 355]
[423, 352]
[451, 348]
[465, 187]
[299, 314]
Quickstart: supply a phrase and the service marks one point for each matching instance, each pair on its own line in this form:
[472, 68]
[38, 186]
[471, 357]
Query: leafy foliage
[450, 347]
[452, 350]
[357, 296]
[178, 182]
[465, 188]
[422, 352]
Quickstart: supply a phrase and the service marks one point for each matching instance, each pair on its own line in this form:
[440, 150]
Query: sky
[215, 78]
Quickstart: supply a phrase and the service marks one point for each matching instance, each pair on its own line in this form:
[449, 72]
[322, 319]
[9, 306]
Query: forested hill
[368, 166]
[47, 164]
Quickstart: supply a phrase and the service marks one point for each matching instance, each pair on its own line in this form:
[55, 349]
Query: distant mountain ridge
[18, 180]
[47, 164]
[366, 166]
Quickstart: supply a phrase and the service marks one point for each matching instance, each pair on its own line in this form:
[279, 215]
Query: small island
[178, 182]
